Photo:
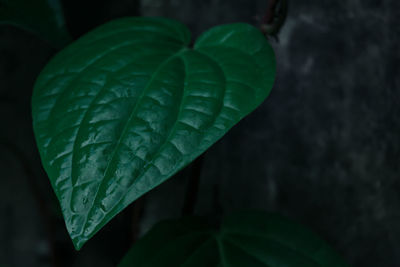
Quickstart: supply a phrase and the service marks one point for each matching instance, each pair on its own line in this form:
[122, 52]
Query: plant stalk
[190, 200]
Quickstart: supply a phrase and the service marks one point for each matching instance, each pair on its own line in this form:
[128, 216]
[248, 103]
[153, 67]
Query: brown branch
[270, 13]
[274, 17]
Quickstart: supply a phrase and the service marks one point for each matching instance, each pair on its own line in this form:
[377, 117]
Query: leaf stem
[193, 187]
[136, 215]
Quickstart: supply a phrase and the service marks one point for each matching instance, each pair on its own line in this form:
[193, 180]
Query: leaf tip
[78, 242]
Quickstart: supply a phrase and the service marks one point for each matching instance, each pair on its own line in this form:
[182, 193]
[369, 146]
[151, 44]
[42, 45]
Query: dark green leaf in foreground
[42, 17]
[244, 239]
[128, 105]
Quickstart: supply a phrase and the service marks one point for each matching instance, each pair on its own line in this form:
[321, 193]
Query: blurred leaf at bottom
[244, 239]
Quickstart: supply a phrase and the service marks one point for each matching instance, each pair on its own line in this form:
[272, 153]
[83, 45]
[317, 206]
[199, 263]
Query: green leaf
[42, 17]
[128, 105]
[244, 239]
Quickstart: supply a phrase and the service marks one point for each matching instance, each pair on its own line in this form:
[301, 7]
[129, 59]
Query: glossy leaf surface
[42, 17]
[244, 239]
[128, 105]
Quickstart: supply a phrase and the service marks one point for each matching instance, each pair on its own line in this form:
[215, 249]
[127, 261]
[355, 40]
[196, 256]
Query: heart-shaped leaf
[253, 239]
[128, 105]
[43, 17]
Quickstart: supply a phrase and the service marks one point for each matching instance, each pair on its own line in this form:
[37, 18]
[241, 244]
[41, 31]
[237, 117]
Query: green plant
[243, 239]
[128, 105]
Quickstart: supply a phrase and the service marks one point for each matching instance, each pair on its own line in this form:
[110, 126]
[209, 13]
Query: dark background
[324, 149]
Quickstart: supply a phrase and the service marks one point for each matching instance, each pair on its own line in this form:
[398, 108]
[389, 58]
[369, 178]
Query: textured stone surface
[324, 149]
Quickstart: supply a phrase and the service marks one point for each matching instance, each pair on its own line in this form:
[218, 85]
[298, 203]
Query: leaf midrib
[99, 58]
[173, 128]
[124, 131]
